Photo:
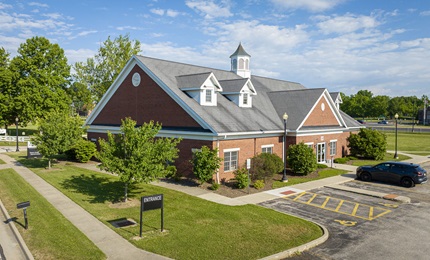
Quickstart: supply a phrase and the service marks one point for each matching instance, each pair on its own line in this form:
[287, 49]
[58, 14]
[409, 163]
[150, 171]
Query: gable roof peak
[240, 51]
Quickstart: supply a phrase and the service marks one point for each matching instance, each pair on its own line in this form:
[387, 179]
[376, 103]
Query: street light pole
[284, 177]
[396, 116]
[16, 124]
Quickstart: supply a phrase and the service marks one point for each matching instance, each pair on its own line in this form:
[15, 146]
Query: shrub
[81, 151]
[205, 163]
[265, 165]
[241, 176]
[342, 160]
[259, 184]
[215, 186]
[172, 173]
[368, 143]
[301, 159]
[321, 166]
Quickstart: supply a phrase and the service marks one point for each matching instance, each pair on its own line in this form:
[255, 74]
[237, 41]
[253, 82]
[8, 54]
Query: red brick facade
[321, 115]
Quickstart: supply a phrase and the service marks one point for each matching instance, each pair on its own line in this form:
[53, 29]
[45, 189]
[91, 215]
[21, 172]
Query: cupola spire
[240, 62]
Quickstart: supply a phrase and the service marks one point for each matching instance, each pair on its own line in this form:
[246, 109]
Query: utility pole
[425, 110]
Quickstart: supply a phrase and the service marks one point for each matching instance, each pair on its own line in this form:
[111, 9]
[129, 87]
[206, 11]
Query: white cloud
[38, 4]
[209, 9]
[85, 33]
[125, 28]
[79, 55]
[172, 13]
[4, 6]
[425, 13]
[157, 11]
[309, 5]
[345, 24]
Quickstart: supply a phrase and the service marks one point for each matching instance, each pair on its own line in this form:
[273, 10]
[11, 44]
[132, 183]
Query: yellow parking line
[339, 205]
[325, 202]
[298, 196]
[354, 211]
[371, 213]
[311, 199]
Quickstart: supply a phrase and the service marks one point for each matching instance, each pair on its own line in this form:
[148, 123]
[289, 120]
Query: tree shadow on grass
[99, 189]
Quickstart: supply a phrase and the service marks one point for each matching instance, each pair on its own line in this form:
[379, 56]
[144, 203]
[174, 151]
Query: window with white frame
[230, 160]
[208, 96]
[310, 145]
[245, 98]
[267, 148]
[333, 145]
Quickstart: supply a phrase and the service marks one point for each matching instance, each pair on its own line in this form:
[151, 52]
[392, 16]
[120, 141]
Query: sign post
[248, 166]
[150, 203]
[24, 206]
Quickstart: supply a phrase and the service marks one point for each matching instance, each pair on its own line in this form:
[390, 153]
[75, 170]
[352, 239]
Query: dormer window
[208, 95]
[245, 98]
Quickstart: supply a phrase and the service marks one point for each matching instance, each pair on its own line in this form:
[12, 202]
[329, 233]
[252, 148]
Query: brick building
[240, 114]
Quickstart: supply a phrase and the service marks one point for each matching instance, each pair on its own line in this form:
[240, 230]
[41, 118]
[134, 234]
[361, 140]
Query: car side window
[383, 166]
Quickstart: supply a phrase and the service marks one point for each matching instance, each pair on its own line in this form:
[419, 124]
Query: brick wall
[320, 117]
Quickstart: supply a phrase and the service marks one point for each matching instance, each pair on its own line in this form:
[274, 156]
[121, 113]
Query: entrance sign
[2, 131]
[24, 205]
[150, 203]
[32, 151]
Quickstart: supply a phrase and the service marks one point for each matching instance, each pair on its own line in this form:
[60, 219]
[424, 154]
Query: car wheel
[365, 176]
[407, 182]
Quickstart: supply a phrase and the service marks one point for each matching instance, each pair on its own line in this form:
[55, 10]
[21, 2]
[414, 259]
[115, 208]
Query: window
[245, 98]
[230, 160]
[208, 96]
[267, 149]
[310, 145]
[333, 147]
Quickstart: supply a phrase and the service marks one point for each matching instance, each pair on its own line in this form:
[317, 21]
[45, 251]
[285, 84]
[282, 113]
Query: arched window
[233, 64]
[241, 64]
[247, 64]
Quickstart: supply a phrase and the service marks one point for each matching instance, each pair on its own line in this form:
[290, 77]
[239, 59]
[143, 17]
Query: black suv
[407, 174]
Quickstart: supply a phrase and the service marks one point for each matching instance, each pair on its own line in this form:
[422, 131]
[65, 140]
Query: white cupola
[240, 62]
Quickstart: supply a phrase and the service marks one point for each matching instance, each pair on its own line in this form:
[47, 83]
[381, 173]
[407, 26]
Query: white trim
[334, 140]
[231, 150]
[309, 143]
[267, 145]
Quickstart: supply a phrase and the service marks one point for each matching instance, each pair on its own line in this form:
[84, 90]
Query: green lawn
[412, 143]
[2, 162]
[50, 235]
[195, 228]
[388, 157]
[324, 173]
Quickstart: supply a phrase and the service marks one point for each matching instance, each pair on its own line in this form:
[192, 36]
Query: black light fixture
[284, 177]
[396, 116]
[16, 124]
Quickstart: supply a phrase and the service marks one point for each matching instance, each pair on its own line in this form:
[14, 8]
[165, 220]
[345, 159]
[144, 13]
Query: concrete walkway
[113, 245]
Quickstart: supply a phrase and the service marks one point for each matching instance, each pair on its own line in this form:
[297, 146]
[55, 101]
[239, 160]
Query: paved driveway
[363, 227]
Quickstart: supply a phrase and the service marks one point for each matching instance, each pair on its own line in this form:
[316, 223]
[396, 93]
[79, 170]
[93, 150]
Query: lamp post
[16, 124]
[396, 116]
[284, 177]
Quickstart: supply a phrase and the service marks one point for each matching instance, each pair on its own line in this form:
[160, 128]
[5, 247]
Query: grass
[2, 162]
[49, 234]
[412, 143]
[195, 228]
[324, 173]
[388, 157]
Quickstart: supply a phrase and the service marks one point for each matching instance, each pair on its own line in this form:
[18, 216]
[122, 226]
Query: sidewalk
[113, 245]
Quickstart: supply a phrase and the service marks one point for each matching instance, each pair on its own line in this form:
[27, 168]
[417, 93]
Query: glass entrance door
[321, 152]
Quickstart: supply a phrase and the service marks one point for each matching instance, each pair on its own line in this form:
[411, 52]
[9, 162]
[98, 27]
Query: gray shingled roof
[192, 81]
[232, 85]
[240, 51]
[273, 98]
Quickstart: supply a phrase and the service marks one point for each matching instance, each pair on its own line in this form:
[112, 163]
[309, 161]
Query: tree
[5, 86]
[100, 72]
[301, 159]
[136, 154]
[368, 143]
[57, 133]
[205, 163]
[40, 77]
[81, 97]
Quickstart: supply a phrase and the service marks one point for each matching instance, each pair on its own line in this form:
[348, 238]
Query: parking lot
[364, 227]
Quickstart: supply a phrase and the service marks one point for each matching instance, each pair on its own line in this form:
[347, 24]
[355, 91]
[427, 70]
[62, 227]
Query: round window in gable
[135, 79]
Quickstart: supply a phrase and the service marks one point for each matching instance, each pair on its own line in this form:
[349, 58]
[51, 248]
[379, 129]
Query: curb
[385, 196]
[17, 235]
[301, 248]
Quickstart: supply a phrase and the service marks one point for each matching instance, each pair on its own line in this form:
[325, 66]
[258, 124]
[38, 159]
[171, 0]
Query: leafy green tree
[40, 77]
[57, 133]
[136, 154]
[379, 106]
[82, 151]
[205, 163]
[301, 159]
[368, 143]
[81, 97]
[100, 72]
[5, 86]
[265, 165]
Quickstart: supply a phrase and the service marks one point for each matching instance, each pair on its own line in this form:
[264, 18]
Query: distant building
[238, 113]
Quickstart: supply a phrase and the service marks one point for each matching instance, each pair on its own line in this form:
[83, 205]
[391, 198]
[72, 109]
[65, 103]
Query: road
[400, 128]
[363, 227]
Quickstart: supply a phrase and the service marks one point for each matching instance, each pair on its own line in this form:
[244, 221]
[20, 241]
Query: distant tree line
[364, 104]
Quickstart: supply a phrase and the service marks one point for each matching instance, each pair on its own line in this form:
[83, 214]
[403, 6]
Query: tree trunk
[125, 192]
[49, 163]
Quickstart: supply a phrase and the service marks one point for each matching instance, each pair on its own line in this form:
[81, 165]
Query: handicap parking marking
[350, 208]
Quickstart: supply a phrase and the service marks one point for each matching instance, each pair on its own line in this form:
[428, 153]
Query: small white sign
[2, 131]
[248, 163]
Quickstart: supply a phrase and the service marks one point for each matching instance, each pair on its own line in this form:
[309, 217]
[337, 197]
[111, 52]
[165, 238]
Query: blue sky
[342, 45]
